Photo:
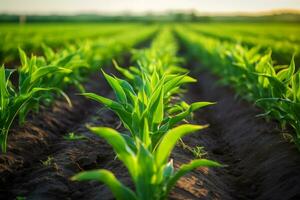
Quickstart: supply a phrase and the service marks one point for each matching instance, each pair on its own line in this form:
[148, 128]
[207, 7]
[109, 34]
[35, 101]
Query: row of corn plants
[148, 102]
[39, 78]
[30, 36]
[275, 88]
[281, 48]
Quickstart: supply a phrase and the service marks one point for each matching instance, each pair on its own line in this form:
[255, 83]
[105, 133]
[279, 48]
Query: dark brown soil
[260, 163]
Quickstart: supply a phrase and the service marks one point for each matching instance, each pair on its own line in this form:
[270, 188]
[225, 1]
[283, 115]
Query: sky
[141, 6]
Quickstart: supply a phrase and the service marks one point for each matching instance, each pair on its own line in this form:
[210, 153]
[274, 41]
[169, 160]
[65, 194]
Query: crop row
[275, 88]
[31, 36]
[39, 78]
[148, 102]
[282, 48]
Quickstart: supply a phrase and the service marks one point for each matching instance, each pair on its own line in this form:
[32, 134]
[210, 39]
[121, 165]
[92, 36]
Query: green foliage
[118, 189]
[35, 84]
[149, 105]
[40, 77]
[15, 103]
[30, 37]
[281, 38]
[253, 74]
[152, 172]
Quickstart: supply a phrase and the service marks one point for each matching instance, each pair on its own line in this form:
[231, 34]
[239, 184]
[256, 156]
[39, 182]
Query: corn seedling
[253, 74]
[147, 109]
[39, 77]
[20, 99]
[146, 106]
[152, 173]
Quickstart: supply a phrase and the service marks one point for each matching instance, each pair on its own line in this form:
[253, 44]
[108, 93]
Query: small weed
[72, 136]
[48, 162]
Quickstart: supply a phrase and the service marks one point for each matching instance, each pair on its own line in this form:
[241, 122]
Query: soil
[258, 162]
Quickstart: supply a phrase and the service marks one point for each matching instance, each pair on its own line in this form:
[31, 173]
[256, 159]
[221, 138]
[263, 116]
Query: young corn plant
[34, 73]
[147, 108]
[274, 88]
[26, 95]
[152, 173]
[12, 103]
[69, 58]
[148, 105]
[39, 77]
[150, 93]
[253, 75]
[281, 99]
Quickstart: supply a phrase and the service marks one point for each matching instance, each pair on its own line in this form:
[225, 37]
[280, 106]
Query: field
[150, 111]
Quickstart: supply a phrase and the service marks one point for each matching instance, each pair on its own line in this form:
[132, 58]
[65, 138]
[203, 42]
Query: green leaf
[107, 102]
[116, 140]
[125, 72]
[38, 74]
[65, 60]
[146, 134]
[291, 70]
[23, 58]
[120, 191]
[119, 92]
[193, 107]
[184, 169]
[278, 88]
[296, 86]
[170, 139]
[168, 170]
[129, 91]
[3, 90]
[49, 53]
[113, 105]
[197, 105]
[146, 170]
[156, 104]
[173, 81]
[159, 109]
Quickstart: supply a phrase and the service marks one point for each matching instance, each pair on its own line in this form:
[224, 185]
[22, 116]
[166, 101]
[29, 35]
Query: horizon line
[112, 13]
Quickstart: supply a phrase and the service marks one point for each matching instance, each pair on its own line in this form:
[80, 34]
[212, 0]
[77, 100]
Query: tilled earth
[259, 163]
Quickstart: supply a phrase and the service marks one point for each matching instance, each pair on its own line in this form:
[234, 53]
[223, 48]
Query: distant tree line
[171, 17]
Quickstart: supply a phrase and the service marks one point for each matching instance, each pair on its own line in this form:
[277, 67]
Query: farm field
[152, 111]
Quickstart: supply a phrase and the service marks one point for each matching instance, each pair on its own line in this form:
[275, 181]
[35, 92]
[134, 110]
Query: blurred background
[273, 24]
[154, 10]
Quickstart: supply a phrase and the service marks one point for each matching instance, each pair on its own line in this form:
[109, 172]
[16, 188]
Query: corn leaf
[184, 169]
[120, 191]
[169, 140]
[123, 151]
